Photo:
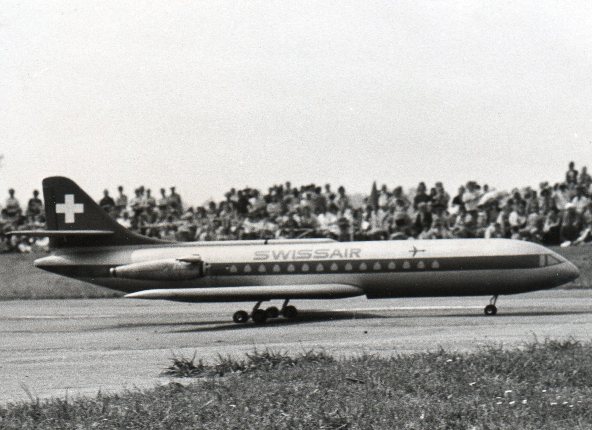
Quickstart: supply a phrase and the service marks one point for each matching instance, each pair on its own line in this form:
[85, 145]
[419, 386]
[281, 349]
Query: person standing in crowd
[163, 202]
[35, 205]
[327, 193]
[120, 201]
[470, 198]
[342, 199]
[457, 201]
[440, 199]
[107, 203]
[383, 196]
[319, 202]
[12, 207]
[585, 179]
[175, 202]
[423, 218]
[571, 176]
[242, 204]
[136, 203]
[398, 194]
[421, 195]
[150, 201]
[503, 219]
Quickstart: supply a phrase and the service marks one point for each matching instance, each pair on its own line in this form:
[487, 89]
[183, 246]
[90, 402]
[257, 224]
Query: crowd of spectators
[550, 214]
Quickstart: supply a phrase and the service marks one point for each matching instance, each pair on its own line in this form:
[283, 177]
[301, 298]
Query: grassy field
[19, 279]
[541, 386]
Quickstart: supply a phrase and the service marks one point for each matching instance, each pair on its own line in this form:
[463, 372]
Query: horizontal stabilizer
[60, 233]
[239, 294]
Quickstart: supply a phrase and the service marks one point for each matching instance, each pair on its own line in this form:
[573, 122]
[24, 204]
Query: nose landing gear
[491, 309]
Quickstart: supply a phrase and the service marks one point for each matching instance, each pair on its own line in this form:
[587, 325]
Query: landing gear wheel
[490, 310]
[259, 316]
[240, 317]
[272, 312]
[290, 312]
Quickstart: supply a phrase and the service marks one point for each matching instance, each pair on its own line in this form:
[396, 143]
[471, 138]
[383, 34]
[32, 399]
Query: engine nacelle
[161, 270]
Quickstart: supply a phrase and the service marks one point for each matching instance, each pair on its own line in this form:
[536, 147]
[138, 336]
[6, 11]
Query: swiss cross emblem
[69, 208]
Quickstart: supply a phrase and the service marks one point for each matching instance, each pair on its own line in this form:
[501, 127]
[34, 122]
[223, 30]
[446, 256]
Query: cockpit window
[552, 260]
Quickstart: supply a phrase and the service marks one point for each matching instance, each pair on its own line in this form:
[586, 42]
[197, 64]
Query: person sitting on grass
[570, 225]
[586, 233]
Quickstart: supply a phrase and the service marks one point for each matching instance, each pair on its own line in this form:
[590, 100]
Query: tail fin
[76, 220]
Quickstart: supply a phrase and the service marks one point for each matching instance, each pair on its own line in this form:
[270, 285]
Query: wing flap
[239, 294]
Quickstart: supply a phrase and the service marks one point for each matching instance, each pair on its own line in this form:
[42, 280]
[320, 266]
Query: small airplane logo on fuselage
[414, 250]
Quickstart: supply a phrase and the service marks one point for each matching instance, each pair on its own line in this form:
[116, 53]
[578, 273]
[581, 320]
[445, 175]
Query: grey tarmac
[58, 348]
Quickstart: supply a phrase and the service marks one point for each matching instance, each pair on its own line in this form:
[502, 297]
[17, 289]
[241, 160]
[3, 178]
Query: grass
[544, 385]
[581, 256]
[19, 279]
[183, 367]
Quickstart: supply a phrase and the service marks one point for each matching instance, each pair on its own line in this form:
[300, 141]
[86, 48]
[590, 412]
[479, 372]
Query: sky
[218, 94]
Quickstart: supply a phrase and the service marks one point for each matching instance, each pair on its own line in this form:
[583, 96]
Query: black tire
[290, 312]
[259, 316]
[272, 312]
[240, 317]
[490, 310]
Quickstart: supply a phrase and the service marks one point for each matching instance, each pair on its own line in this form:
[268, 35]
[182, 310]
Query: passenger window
[262, 268]
[248, 268]
[377, 266]
[334, 267]
[320, 267]
[291, 268]
[305, 267]
[363, 266]
[276, 268]
[392, 265]
[348, 267]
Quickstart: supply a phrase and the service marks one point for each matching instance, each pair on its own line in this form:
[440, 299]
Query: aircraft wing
[60, 233]
[238, 294]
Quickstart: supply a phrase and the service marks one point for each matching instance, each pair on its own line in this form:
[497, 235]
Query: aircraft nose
[571, 271]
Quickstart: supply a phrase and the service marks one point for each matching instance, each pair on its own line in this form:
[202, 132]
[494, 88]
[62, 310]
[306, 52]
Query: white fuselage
[376, 269]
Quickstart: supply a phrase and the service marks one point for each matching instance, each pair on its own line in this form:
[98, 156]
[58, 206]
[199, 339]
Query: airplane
[89, 245]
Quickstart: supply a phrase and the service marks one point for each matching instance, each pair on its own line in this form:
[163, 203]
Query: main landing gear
[491, 309]
[260, 316]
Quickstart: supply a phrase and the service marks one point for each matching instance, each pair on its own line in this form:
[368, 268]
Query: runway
[73, 347]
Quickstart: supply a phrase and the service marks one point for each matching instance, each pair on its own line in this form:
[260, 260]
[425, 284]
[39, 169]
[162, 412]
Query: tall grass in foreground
[541, 386]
